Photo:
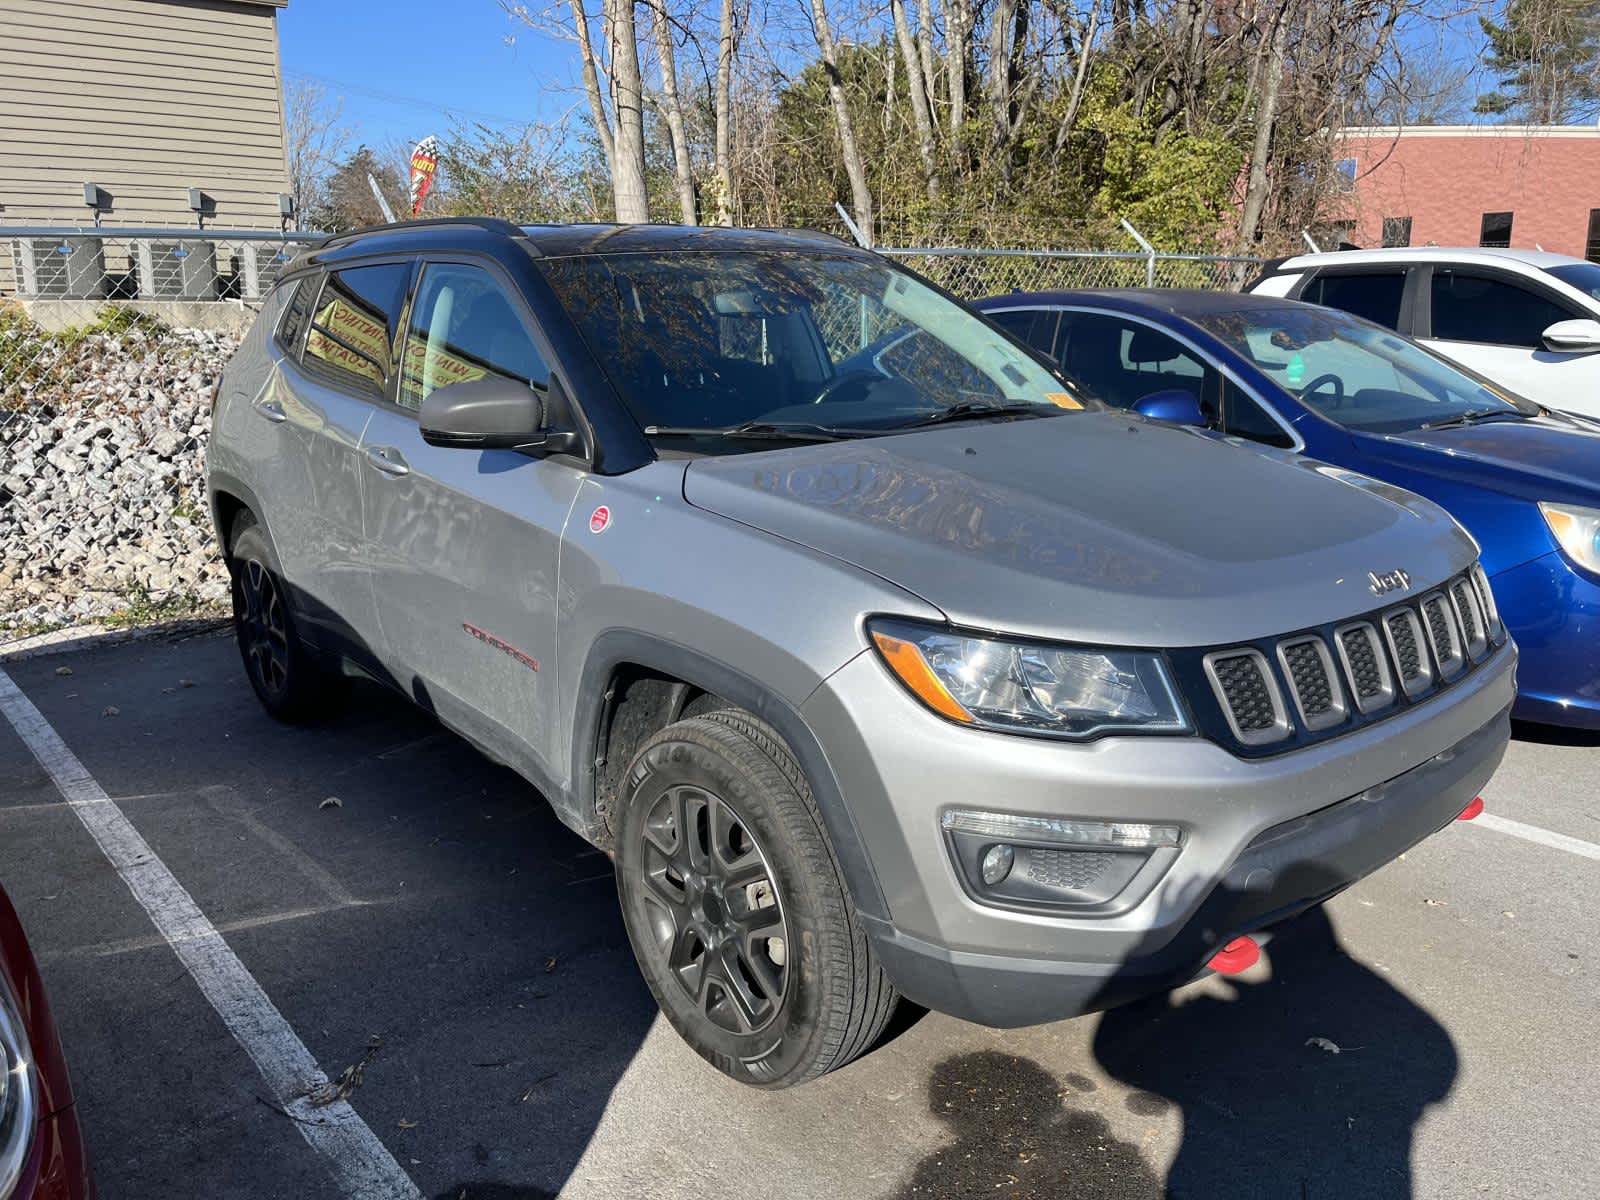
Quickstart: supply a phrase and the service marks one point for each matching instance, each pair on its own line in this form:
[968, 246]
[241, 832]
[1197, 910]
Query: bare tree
[849, 149]
[724, 113]
[921, 108]
[610, 74]
[672, 111]
[1255, 196]
[315, 137]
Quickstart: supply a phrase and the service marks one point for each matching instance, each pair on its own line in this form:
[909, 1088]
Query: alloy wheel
[714, 911]
[263, 630]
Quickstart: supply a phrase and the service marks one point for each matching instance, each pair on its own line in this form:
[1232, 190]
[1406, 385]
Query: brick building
[1525, 186]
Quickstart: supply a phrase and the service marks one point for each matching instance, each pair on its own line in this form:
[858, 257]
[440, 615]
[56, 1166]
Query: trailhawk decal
[505, 647]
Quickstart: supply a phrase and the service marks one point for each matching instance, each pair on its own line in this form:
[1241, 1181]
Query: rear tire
[286, 678]
[736, 908]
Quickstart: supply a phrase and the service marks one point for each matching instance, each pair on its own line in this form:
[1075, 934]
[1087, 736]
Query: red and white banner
[424, 162]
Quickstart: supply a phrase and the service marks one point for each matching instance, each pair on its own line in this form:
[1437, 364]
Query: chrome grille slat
[1243, 682]
[1365, 666]
[1443, 636]
[1308, 667]
[1470, 617]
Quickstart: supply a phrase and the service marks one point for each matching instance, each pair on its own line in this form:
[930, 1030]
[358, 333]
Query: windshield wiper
[971, 410]
[771, 430]
[1473, 417]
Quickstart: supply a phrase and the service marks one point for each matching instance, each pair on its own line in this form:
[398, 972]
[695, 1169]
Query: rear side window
[1035, 326]
[463, 328]
[1373, 296]
[293, 324]
[1122, 361]
[1478, 308]
[354, 323]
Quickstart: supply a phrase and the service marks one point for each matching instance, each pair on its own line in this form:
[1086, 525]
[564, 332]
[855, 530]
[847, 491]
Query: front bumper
[59, 1168]
[1553, 613]
[1263, 839]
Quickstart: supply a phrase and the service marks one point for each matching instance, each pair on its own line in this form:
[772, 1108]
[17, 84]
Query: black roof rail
[492, 224]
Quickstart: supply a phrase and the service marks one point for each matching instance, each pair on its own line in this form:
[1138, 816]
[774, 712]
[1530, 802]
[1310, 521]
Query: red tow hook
[1471, 810]
[1238, 955]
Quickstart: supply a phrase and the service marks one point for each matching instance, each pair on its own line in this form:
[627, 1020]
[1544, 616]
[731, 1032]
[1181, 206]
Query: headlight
[1578, 532]
[18, 1097]
[1025, 687]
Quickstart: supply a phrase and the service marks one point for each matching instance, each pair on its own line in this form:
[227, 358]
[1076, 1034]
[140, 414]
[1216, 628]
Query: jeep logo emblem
[1389, 581]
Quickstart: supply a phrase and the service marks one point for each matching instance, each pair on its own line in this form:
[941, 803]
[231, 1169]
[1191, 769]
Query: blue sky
[404, 66]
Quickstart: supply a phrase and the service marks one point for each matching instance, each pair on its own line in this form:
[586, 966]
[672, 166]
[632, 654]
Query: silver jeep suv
[883, 662]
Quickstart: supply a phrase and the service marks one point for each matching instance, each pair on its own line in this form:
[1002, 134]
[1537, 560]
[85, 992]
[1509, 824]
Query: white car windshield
[710, 341]
[1357, 374]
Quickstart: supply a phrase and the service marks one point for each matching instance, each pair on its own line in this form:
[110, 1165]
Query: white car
[1524, 319]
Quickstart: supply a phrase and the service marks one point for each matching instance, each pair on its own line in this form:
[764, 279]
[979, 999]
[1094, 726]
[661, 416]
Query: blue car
[1522, 479]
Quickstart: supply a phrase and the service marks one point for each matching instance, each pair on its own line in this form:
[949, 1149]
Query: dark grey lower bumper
[1284, 871]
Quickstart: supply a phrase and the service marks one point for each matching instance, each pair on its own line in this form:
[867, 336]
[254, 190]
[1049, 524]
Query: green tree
[1545, 55]
[347, 201]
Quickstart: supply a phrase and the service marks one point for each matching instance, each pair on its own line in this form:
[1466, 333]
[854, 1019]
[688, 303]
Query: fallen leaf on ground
[347, 1081]
[63, 670]
[405, 1124]
[332, 802]
[110, 710]
[549, 964]
[1435, 903]
[1322, 1043]
[185, 683]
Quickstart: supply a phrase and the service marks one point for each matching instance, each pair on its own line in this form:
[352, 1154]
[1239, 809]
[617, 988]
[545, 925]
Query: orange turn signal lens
[906, 661]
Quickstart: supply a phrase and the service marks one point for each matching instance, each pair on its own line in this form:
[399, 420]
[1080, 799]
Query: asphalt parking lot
[404, 903]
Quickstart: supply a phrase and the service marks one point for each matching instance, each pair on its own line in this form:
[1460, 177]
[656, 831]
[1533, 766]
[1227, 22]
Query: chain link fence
[112, 341]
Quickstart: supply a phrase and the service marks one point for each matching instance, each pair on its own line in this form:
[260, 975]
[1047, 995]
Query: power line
[448, 110]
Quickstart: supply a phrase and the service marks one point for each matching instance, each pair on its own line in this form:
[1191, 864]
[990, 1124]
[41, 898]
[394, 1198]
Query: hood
[1095, 527]
[1542, 458]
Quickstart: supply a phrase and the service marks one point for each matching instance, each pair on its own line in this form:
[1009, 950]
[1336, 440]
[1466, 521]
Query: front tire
[734, 903]
[287, 680]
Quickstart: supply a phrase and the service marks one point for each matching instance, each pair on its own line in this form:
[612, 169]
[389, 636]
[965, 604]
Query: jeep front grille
[1352, 672]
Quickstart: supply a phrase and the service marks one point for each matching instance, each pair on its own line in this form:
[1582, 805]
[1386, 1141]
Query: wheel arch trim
[617, 647]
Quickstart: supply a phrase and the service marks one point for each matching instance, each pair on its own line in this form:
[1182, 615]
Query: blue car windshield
[1357, 374]
[1585, 276]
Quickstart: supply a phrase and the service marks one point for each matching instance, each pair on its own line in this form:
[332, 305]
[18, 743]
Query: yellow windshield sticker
[1063, 400]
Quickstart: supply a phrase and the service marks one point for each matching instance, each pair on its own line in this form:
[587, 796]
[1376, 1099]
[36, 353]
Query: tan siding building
[147, 99]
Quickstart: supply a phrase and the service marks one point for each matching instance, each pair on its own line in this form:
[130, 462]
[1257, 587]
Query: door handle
[388, 460]
[271, 410]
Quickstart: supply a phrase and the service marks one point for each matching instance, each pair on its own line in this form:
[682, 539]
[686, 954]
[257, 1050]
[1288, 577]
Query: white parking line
[1532, 833]
[355, 1157]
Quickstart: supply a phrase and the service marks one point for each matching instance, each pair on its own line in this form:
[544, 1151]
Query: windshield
[1584, 276]
[709, 341]
[1356, 374]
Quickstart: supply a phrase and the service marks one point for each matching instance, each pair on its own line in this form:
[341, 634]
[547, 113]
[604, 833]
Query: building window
[1591, 248]
[1397, 231]
[1346, 170]
[1495, 230]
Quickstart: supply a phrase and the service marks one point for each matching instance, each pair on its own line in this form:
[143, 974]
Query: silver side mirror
[1580, 336]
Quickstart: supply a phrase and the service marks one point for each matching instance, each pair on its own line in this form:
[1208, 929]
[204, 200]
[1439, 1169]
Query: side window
[1373, 296]
[464, 327]
[293, 322]
[354, 325]
[1121, 362]
[1477, 308]
[1035, 326]
[1243, 417]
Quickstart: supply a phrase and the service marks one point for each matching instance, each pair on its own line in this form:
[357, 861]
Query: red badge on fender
[599, 519]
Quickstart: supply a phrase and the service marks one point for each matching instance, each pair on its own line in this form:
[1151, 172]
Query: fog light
[997, 863]
[1120, 835]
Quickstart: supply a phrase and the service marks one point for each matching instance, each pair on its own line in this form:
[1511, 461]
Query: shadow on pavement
[1267, 1111]
[1554, 735]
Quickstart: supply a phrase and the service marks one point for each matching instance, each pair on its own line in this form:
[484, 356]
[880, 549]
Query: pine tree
[1545, 55]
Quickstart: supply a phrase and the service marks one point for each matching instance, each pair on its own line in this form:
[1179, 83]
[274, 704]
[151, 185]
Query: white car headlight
[18, 1092]
[1028, 687]
[1577, 530]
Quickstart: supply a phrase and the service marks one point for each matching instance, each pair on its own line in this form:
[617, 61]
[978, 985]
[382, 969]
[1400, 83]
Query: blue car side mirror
[1173, 405]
